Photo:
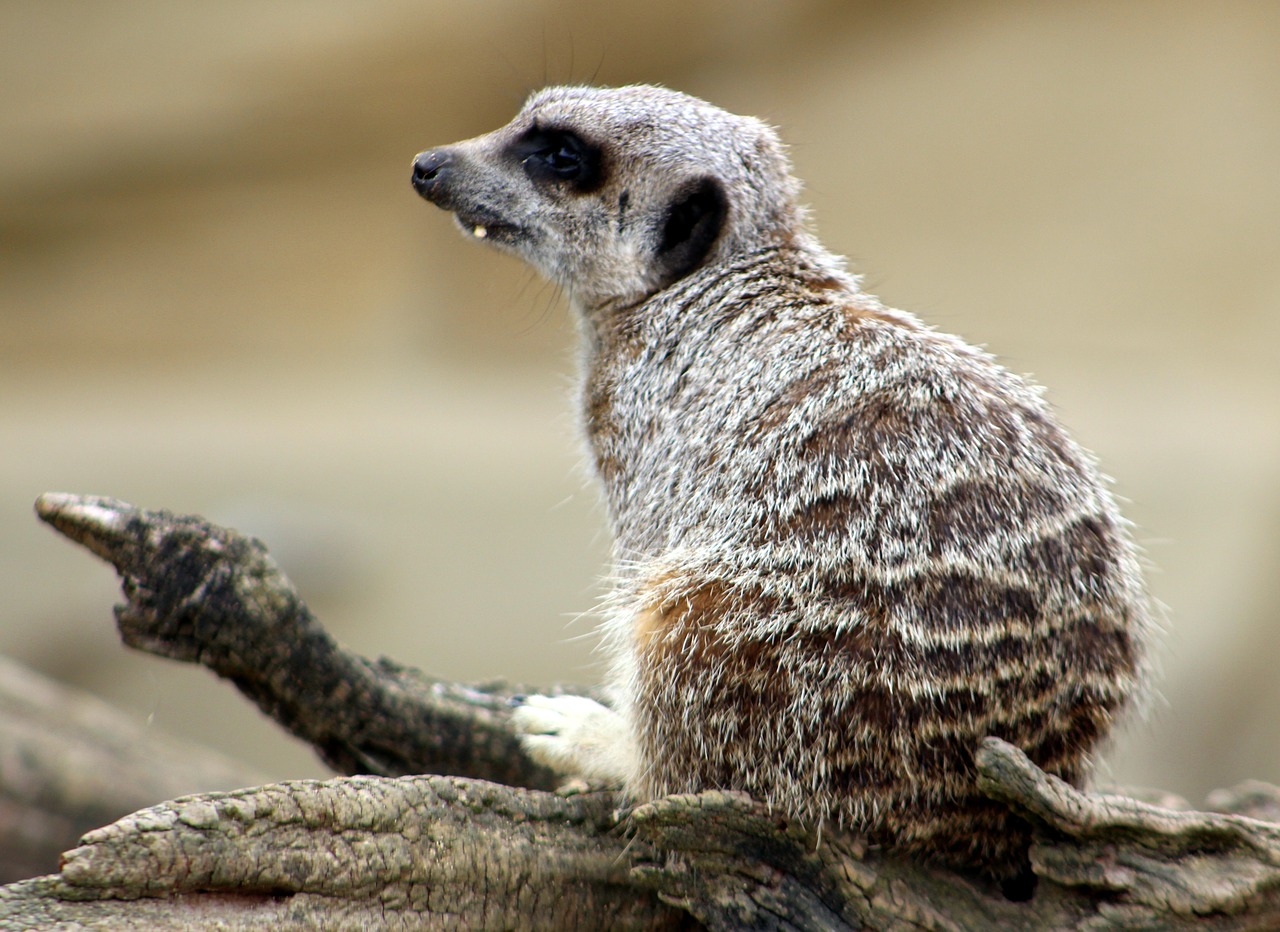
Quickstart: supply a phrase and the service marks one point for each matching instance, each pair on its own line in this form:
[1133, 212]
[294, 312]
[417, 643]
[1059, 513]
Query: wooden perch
[487, 846]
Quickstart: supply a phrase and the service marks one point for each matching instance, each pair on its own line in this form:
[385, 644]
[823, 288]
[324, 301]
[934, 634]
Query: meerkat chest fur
[848, 547]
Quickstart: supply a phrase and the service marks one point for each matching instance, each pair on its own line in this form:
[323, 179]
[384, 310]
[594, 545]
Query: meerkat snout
[848, 546]
[428, 168]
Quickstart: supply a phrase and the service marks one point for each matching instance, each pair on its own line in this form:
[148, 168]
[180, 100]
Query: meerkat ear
[692, 224]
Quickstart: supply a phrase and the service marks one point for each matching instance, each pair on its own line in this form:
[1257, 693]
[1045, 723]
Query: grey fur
[847, 546]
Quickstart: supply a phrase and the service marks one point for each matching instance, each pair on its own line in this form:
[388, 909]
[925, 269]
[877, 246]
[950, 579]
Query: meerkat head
[616, 193]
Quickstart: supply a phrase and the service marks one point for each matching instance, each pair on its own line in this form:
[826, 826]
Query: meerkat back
[848, 547]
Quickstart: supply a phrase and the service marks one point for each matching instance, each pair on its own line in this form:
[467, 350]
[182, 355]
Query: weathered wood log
[461, 851]
[205, 594]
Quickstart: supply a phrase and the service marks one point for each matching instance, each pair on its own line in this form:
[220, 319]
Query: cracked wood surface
[355, 852]
[457, 851]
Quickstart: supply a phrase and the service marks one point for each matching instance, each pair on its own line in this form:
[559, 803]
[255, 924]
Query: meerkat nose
[430, 169]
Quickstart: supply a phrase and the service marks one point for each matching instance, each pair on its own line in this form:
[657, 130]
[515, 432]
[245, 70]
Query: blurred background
[218, 294]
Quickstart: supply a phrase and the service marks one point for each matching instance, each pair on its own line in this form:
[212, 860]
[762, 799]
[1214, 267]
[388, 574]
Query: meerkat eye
[690, 228]
[558, 155]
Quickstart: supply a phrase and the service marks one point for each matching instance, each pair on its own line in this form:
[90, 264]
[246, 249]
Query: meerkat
[846, 546]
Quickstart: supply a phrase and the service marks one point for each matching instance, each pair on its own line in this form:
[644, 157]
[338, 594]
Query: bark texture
[205, 594]
[487, 846]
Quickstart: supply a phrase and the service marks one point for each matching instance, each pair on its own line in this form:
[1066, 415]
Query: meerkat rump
[847, 546]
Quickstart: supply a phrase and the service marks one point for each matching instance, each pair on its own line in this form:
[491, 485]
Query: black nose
[429, 170]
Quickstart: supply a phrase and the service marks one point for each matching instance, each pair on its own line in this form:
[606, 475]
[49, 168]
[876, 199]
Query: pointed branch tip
[84, 511]
[96, 522]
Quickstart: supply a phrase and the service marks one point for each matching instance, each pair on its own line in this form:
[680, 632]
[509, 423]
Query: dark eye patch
[555, 155]
[690, 228]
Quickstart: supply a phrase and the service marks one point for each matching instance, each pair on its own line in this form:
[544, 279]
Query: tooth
[479, 232]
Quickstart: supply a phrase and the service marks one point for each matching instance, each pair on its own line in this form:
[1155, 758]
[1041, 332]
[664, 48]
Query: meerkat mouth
[486, 226]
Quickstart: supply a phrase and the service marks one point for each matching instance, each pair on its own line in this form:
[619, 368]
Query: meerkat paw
[577, 737]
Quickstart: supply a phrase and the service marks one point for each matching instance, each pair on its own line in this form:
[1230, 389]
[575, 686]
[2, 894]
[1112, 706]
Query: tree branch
[427, 851]
[205, 594]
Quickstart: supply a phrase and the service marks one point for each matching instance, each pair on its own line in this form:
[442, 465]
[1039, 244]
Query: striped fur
[853, 548]
[848, 546]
